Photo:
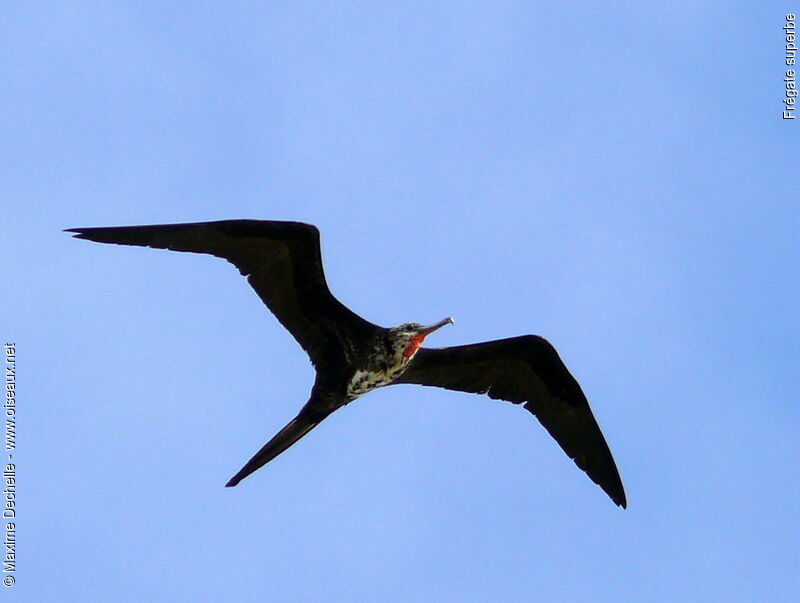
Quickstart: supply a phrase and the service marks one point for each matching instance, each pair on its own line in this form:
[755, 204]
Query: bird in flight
[352, 356]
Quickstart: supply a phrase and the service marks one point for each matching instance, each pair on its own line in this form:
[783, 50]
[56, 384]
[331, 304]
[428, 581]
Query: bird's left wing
[281, 261]
[526, 370]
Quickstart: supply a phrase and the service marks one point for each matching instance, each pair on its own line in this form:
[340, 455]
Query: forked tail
[296, 429]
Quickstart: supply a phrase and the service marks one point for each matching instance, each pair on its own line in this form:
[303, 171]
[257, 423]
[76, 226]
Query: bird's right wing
[526, 370]
[281, 261]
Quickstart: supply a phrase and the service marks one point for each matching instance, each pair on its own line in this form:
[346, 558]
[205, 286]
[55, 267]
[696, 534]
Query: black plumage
[283, 264]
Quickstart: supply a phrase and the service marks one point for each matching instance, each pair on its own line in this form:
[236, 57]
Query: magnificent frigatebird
[352, 356]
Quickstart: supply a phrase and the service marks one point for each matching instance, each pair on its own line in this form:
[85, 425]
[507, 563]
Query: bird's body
[352, 356]
[387, 354]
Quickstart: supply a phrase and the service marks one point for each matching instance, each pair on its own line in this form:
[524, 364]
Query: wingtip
[619, 498]
[79, 233]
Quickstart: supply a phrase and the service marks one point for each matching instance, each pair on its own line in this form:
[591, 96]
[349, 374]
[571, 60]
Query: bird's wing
[281, 261]
[526, 370]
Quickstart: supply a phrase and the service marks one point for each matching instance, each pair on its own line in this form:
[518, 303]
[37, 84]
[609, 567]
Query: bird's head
[409, 336]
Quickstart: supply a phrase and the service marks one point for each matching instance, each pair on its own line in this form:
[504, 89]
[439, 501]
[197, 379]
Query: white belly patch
[365, 381]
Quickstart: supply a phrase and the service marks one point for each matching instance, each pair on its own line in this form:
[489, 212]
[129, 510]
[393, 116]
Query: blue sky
[615, 178]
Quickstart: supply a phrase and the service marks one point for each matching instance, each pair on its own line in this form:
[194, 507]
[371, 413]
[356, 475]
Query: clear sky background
[615, 177]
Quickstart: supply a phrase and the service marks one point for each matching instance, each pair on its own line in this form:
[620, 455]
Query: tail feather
[296, 429]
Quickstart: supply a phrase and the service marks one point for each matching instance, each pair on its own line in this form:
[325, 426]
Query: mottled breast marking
[365, 381]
